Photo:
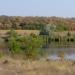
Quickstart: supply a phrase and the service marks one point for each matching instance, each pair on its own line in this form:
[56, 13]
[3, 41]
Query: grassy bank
[10, 66]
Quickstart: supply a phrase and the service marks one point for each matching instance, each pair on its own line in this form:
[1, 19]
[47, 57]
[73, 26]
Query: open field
[28, 32]
[20, 32]
[9, 66]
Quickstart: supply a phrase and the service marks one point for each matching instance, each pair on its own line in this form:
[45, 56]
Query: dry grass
[28, 32]
[20, 32]
[9, 66]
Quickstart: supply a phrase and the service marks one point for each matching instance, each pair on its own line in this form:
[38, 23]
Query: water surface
[69, 53]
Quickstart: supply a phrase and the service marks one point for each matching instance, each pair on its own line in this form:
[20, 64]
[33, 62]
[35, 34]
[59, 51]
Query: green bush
[31, 46]
[14, 45]
[28, 45]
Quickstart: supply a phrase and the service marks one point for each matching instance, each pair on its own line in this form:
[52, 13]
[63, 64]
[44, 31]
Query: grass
[27, 32]
[20, 32]
[10, 66]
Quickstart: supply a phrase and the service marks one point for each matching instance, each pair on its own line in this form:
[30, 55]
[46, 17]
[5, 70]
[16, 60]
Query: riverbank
[10, 66]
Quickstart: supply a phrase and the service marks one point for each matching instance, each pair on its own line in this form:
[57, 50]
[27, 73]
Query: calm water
[69, 53]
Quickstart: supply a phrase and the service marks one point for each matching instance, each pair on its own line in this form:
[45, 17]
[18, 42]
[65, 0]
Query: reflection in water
[69, 53]
[70, 56]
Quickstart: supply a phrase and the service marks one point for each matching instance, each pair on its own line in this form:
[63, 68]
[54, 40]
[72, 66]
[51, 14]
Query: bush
[28, 45]
[31, 46]
[14, 45]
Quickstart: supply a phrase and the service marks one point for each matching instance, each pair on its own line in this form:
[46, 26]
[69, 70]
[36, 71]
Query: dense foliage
[14, 45]
[28, 45]
[36, 23]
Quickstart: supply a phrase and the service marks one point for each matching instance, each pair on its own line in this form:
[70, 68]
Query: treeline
[34, 23]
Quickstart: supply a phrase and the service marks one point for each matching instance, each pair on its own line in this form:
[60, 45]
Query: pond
[69, 53]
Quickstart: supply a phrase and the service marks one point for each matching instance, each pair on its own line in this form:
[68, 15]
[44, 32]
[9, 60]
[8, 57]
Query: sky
[59, 8]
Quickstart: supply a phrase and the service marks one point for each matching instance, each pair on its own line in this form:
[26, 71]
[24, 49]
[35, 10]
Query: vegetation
[49, 32]
[36, 23]
[28, 45]
[11, 66]
[31, 44]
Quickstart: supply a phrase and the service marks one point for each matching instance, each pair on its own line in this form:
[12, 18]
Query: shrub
[14, 45]
[31, 46]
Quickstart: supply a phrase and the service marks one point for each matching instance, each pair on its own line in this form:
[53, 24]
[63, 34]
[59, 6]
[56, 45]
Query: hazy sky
[63, 8]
